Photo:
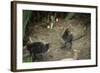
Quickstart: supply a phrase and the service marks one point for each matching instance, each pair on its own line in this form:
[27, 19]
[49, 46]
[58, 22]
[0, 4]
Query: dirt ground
[54, 38]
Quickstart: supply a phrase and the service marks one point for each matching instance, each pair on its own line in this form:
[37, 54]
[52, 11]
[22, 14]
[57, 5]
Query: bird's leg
[71, 45]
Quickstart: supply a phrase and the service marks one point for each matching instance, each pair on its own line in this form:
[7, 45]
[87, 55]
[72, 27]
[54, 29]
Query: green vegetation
[26, 17]
[28, 59]
[69, 16]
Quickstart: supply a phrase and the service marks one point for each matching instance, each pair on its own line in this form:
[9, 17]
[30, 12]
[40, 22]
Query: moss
[28, 59]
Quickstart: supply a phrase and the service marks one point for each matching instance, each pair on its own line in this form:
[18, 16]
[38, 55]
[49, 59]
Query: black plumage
[67, 37]
[37, 48]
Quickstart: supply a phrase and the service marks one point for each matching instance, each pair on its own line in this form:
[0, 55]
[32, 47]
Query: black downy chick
[67, 37]
[37, 48]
